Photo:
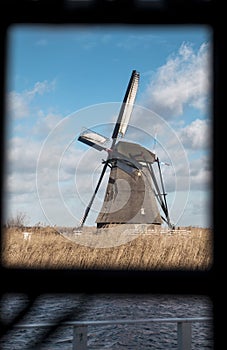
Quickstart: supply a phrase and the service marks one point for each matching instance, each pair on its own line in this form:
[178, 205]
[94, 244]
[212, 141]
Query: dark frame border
[33, 281]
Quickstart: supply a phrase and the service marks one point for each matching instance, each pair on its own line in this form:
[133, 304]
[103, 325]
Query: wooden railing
[80, 329]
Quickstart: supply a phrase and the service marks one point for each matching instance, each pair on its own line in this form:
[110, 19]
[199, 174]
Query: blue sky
[62, 78]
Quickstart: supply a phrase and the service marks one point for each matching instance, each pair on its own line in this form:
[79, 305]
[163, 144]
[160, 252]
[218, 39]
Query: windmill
[133, 192]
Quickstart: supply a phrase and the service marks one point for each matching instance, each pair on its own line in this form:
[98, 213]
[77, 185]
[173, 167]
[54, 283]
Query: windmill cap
[135, 151]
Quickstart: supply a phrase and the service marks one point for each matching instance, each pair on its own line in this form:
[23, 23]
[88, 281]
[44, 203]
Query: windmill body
[129, 196]
[132, 194]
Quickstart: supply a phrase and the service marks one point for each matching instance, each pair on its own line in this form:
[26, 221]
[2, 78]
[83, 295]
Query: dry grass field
[188, 249]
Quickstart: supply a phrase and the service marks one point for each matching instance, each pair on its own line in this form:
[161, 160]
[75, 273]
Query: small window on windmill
[142, 211]
[93, 139]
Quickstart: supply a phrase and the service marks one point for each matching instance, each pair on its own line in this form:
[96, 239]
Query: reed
[182, 249]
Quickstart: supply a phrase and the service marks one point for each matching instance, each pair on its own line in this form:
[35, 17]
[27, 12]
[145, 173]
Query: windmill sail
[93, 139]
[127, 106]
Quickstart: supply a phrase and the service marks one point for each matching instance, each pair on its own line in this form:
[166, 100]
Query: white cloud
[197, 135]
[198, 208]
[40, 88]
[22, 155]
[45, 123]
[184, 79]
[18, 104]
[201, 173]
[20, 184]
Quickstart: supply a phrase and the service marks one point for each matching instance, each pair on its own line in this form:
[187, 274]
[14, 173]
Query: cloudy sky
[62, 79]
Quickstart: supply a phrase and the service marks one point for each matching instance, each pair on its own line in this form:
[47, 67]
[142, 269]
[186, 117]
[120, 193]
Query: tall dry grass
[48, 249]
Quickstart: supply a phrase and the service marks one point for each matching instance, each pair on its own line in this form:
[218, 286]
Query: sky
[61, 79]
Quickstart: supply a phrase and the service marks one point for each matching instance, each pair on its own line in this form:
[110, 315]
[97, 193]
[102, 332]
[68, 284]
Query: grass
[188, 249]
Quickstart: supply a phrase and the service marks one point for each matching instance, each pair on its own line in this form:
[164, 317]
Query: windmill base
[132, 225]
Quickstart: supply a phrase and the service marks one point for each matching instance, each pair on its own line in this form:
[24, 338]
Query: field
[187, 248]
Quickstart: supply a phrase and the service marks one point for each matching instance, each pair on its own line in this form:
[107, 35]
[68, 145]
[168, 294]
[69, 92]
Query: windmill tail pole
[171, 226]
[160, 195]
[82, 221]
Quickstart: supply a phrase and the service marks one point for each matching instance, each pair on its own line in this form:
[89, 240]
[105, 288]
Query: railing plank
[184, 335]
[118, 321]
[80, 338]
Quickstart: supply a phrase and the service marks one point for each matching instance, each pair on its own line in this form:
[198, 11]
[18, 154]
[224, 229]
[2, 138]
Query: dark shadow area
[34, 282]
[118, 320]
